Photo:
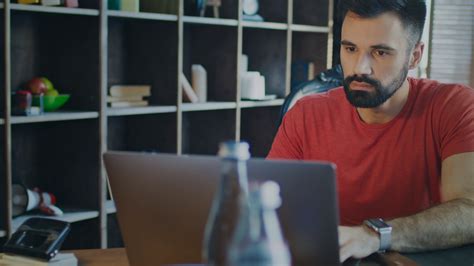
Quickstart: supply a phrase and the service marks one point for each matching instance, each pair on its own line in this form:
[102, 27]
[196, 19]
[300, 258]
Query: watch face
[379, 223]
[250, 7]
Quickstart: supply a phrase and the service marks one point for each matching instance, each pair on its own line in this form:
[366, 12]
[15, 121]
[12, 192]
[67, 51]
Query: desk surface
[118, 257]
[455, 256]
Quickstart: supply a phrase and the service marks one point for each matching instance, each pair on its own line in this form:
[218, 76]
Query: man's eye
[350, 49]
[381, 53]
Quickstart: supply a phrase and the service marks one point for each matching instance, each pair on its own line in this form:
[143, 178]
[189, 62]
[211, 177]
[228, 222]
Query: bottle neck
[235, 171]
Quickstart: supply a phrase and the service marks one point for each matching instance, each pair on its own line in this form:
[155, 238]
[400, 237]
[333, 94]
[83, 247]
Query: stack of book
[66, 3]
[128, 95]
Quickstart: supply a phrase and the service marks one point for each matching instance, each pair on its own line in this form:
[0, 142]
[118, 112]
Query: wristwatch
[383, 229]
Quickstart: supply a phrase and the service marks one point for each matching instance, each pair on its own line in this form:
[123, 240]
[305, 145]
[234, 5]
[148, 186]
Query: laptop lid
[163, 203]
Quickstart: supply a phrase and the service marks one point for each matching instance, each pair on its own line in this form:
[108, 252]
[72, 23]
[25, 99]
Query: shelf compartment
[70, 216]
[65, 53]
[313, 13]
[208, 106]
[217, 57]
[62, 158]
[266, 51]
[310, 47]
[54, 116]
[55, 10]
[110, 207]
[308, 28]
[274, 10]
[264, 25]
[141, 110]
[203, 131]
[210, 21]
[142, 15]
[253, 104]
[145, 133]
[228, 10]
[259, 127]
[152, 62]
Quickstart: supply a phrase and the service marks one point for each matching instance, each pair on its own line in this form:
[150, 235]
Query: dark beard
[365, 99]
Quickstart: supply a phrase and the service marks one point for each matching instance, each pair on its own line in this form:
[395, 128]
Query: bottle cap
[238, 150]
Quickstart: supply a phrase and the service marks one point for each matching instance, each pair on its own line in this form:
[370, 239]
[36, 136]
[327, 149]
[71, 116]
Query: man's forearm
[447, 225]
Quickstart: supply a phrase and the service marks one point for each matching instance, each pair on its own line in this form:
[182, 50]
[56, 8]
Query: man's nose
[363, 65]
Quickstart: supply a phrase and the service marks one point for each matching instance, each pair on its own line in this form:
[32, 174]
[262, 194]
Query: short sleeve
[456, 124]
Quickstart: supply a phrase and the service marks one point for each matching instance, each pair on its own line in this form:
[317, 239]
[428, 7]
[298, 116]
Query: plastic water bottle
[258, 239]
[225, 210]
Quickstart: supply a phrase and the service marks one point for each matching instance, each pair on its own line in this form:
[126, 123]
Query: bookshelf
[86, 50]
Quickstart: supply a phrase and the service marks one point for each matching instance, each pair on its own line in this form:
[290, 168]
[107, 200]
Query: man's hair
[412, 13]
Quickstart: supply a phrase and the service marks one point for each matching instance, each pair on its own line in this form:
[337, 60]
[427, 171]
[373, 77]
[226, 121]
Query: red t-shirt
[383, 170]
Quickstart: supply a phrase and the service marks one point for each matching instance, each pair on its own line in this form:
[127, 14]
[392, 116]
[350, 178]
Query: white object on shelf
[199, 80]
[3, 233]
[244, 66]
[188, 90]
[130, 5]
[253, 86]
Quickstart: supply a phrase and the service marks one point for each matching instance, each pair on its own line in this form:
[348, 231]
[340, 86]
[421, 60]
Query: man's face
[375, 58]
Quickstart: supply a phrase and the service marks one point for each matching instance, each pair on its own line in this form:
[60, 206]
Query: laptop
[163, 202]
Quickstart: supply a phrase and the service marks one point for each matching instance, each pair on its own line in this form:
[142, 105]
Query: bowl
[50, 102]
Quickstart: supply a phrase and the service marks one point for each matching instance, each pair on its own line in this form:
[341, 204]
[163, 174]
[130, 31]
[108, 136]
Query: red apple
[37, 86]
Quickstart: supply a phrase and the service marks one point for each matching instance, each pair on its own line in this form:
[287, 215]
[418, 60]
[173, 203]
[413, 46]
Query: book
[62, 259]
[130, 5]
[128, 104]
[52, 2]
[159, 6]
[127, 98]
[71, 3]
[301, 71]
[189, 93]
[114, 4]
[128, 90]
[28, 2]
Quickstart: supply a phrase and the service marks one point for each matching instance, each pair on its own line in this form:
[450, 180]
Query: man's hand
[357, 242]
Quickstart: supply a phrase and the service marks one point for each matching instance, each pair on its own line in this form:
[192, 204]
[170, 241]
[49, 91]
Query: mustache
[364, 79]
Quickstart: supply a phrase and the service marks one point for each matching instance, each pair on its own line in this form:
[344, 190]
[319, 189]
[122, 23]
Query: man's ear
[416, 55]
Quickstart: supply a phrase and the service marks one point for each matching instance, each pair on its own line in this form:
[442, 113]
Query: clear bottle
[258, 239]
[225, 208]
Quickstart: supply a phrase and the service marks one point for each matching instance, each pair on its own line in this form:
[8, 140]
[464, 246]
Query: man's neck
[388, 110]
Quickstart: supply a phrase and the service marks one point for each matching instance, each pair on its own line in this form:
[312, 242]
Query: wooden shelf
[307, 28]
[141, 110]
[264, 25]
[110, 207]
[68, 216]
[209, 106]
[55, 10]
[141, 15]
[253, 104]
[54, 116]
[210, 21]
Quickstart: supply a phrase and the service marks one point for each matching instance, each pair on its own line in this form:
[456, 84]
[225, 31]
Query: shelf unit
[86, 50]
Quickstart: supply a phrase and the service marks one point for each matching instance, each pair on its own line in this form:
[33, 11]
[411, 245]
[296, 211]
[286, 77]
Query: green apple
[48, 83]
[52, 92]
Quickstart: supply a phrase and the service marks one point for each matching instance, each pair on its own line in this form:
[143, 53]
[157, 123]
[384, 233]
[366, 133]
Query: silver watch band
[384, 231]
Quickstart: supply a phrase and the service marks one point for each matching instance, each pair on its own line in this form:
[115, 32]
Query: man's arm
[446, 225]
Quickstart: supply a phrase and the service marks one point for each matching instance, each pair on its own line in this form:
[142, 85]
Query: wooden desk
[118, 257]
[455, 256]
[101, 257]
